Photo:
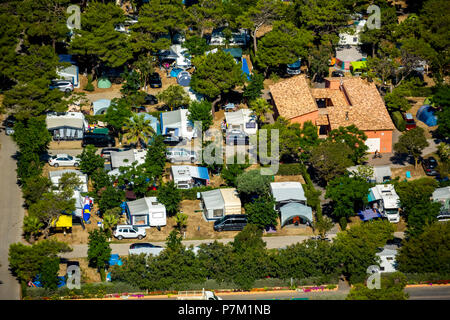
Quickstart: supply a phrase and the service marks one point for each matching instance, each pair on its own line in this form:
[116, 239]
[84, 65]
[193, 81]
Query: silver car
[62, 85]
[181, 155]
[64, 160]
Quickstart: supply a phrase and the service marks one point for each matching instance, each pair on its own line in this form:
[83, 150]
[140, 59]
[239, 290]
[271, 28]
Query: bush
[343, 223]
[89, 86]
[398, 120]
[418, 278]
[289, 169]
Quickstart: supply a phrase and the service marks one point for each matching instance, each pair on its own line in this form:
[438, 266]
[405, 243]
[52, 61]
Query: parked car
[180, 155]
[146, 248]
[9, 126]
[63, 160]
[337, 73]
[106, 152]
[129, 232]
[237, 137]
[151, 99]
[98, 140]
[429, 165]
[62, 85]
[231, 222]
[155, 80]
[409, 119]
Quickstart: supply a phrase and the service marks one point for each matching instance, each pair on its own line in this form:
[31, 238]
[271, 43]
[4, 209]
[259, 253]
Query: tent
[369, 214]
[294, 209]
[103, 83]
[184, 78]
[175, 71]
[100, 106]
[427, 115]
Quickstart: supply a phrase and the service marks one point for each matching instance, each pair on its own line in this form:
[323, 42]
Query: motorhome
[384, 198]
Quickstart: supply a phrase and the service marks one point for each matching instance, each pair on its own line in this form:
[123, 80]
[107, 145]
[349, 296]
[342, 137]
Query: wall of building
[385, 137]
[312, 116]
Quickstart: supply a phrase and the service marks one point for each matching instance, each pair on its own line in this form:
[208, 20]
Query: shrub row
[289, 169]
[398, 120]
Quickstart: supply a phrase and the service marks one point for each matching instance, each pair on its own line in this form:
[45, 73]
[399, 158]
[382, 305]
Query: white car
[129, 232]
[64, 160]
[146, 248]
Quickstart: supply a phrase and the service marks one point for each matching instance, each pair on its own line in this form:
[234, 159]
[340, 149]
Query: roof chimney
[346, 115]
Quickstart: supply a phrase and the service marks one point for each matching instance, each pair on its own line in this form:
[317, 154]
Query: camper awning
[138, 207]
[59, 122]
[369, 214]
[285, 191]
[231, 200]
[122, 158]
[294, 209]
[100, 106]
[64, 221]
[199, 173]
[213, 199]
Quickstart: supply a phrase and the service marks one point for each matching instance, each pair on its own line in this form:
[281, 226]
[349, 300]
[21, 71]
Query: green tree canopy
[253, 183]
[201, 111]
[170, 196]
[261, 212]
[392, 286]
[174, 97]
[354, 138]
[99, 251]
[412, 142]
[90, 161]
[331, 159]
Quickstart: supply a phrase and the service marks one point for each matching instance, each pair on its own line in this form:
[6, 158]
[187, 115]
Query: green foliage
[25, 261]
[253, 90]
[97, 41]
[196, 45]
[398, 120]
[352, 137]
[33, 98]
[215, 74]
[170, 196]
[89, 85]
[99, 250]
[201, 111]
[49, 273]
[283, 45]
[32, 136]
[155, 159]
[110, 197]
[331, 159]
[355, 248]
[396, 102]
[261, 108]
[289, 169]
[181, 220]
[39, 62]
[117, 114]
[90, 161]
[311, 258]
[131, 82]
[252, 183]
[323, 225]
[138, 130]
[442, 99]
[416, 204]
[348, 195]
[261, 212]
[412, 142]
[288, 137]
[174, 97]
[392, 286]
[31, 227]
[111, 219]
[232, 170]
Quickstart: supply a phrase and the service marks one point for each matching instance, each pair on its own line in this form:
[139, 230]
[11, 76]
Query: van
[232, 222]
[180, 155]
[98, 140]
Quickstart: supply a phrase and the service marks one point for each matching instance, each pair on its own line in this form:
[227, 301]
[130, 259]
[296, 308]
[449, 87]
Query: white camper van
[384, 198]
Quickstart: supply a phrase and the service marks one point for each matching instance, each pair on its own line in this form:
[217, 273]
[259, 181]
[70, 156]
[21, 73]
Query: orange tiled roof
[293, 97]
[337, 97]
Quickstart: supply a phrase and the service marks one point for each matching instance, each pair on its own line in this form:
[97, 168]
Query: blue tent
[175, 71]
[184, 78]
[427, 115]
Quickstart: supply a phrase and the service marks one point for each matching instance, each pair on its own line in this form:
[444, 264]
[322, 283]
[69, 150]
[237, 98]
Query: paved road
[80, 250]
[429, 293]
[11, 216]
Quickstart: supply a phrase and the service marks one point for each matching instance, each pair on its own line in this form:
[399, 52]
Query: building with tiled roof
[343, 102]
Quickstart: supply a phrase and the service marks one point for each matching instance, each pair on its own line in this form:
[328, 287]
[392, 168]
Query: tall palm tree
[138, 129]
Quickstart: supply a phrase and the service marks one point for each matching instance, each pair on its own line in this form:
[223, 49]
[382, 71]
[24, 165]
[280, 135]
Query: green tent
[103, 83]
[101, 130]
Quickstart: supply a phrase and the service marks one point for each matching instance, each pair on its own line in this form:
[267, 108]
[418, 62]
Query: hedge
[398, 120]
[289, 169]
[422, 278]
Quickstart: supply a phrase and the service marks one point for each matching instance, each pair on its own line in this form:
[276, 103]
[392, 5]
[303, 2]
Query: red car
[409, 119]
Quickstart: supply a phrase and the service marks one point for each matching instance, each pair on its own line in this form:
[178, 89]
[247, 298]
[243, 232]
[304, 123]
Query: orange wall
[385, 139]
[312, 116]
